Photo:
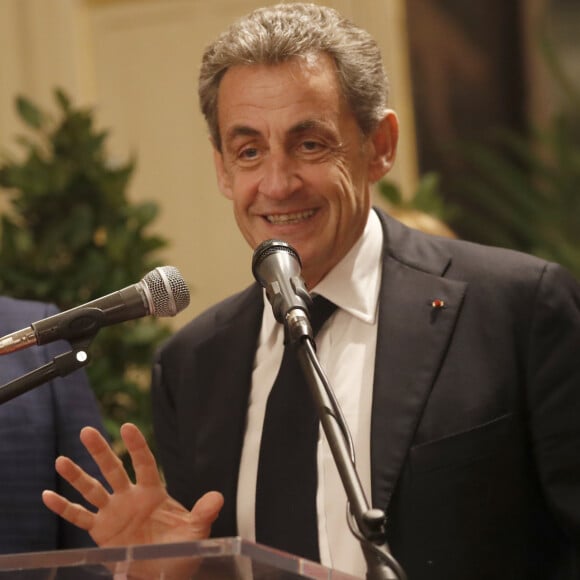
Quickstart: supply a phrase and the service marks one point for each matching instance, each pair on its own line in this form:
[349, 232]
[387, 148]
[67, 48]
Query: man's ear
[223, 179]
[384, 142]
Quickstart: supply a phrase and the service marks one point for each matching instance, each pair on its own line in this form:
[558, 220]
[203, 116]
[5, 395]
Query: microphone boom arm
[60, 366]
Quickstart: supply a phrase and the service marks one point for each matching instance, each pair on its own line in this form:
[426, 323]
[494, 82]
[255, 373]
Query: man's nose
[280, 178]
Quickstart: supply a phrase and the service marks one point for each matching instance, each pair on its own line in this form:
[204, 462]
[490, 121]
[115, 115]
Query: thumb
[205, 511]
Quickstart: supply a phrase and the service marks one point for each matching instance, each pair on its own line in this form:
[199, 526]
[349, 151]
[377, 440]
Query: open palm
[132, 513]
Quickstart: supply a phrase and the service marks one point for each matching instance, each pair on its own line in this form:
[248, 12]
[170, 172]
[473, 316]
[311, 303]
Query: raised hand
[134, 513]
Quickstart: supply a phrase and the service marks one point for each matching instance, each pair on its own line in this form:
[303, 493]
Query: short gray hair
[275, 34]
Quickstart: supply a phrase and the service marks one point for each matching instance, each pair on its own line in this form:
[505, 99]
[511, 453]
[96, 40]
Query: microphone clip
[60, 366]
[294, 317]
[278, 298]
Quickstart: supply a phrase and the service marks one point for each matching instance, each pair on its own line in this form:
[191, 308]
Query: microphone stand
[60, 366]
[369, 524]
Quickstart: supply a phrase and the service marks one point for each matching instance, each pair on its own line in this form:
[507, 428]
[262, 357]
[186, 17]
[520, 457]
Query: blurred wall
[136, 62]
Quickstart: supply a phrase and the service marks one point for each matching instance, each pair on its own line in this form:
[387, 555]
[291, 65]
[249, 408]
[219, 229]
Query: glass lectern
[215, 559]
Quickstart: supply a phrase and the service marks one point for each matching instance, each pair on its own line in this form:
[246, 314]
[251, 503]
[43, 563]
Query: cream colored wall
[136, 62]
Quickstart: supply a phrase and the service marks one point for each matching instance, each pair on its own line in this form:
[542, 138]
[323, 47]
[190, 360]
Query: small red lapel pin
[438, 304]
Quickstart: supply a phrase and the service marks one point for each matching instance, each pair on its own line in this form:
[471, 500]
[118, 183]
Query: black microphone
[277, 267]
[162, 292]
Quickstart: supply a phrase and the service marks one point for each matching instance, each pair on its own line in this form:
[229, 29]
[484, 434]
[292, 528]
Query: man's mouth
[290, 218]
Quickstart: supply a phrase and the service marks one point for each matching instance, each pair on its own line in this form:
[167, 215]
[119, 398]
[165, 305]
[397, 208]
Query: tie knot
[320, 312]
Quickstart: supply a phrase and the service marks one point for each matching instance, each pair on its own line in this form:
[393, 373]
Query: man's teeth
[287, 218]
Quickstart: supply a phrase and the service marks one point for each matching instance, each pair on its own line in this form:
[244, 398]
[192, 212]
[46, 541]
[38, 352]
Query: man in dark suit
[35, 428]
[456, 365]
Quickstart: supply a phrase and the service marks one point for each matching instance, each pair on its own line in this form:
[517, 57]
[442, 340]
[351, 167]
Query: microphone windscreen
[166, 291]
[284, 254]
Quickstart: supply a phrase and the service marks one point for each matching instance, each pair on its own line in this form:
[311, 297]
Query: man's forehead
[286, 94]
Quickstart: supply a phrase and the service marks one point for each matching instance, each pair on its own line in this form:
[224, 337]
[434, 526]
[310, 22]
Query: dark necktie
[287, 469]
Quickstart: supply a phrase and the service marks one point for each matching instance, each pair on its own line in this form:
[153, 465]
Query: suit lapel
[413, 335]
[221, 430]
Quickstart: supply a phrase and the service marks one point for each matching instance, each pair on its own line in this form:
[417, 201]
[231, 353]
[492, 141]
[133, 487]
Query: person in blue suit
[35, 428]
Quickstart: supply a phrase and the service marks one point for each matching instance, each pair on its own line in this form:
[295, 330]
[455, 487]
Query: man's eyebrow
[308, 125]
[241, 131]
[297, 129]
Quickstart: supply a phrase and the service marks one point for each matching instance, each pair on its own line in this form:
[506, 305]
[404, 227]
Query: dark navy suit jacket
[35, 428]
[475, 432]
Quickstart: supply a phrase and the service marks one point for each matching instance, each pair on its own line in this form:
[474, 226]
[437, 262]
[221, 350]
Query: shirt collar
[354, 283]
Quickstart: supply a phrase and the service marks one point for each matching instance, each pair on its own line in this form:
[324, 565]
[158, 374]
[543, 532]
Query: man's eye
[312, 149]
[248, 153]
[311, 145]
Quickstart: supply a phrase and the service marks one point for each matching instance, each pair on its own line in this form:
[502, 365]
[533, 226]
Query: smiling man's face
[294, 161]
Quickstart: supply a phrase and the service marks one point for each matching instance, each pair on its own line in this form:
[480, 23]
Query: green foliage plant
[71, 235]
[525, 189]
[520, 190]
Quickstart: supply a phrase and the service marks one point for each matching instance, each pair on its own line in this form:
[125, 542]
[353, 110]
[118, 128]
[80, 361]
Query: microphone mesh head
[268, 248]
[167, 291]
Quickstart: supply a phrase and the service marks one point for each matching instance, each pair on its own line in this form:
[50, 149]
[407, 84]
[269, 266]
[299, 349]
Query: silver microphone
[277, 267]
[161, 292]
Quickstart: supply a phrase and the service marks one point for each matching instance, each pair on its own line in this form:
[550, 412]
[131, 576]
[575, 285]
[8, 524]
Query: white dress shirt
[346, 349]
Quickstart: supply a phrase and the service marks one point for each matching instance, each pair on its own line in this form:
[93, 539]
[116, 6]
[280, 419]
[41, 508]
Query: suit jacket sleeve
[554, 394]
